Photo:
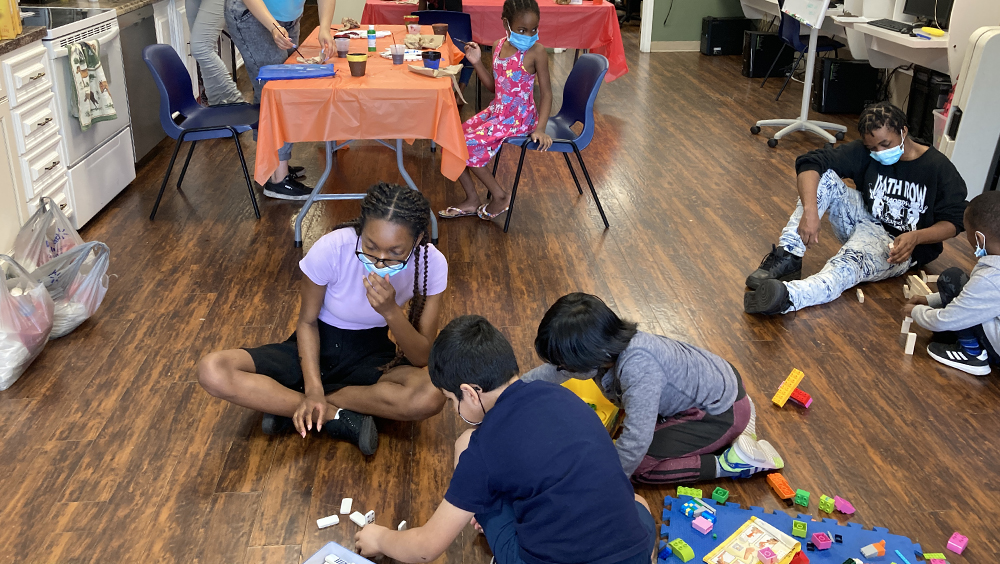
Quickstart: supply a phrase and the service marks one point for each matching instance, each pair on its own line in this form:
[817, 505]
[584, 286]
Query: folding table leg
[409, 182]
[328, 149]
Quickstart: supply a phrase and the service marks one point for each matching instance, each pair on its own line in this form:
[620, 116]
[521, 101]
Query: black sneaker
[297, 172]
[287, 189]
[354, 428]
[275, 424]
[770, 298]
[779, 264]
[955, 356]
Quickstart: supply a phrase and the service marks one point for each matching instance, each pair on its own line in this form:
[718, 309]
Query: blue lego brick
[730, 516]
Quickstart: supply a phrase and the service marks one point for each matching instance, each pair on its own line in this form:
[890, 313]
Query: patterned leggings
[863, 258]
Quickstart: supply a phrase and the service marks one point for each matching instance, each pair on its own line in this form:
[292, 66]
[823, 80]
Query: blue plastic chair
[460, 30]
[184, 119]
[791, 36]
[579, 93]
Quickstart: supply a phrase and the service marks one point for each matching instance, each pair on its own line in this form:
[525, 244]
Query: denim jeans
[207, 19]
[258, 49]
[864, 256]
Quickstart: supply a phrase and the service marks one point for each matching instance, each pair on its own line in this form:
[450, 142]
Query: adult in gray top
[687, 416]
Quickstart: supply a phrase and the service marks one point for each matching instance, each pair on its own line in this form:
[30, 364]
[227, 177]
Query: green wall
[684, 23]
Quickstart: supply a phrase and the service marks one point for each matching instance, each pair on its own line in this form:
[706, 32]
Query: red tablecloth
[580, 26]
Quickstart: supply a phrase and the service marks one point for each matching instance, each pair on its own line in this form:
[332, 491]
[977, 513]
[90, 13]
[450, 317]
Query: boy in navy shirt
[539, 473]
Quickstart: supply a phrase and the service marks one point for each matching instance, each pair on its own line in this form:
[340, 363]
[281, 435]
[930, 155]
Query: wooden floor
[111, 452]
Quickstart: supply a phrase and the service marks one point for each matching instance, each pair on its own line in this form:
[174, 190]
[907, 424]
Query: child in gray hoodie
[969, 306]
[687, 416]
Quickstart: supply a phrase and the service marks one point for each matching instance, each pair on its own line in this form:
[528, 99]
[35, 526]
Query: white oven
[101, 160]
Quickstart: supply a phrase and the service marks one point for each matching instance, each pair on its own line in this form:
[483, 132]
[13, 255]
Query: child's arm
[641, 403]
[421, 544]
[978, 303]
[544, 102]
[546, 373]
[475, 56]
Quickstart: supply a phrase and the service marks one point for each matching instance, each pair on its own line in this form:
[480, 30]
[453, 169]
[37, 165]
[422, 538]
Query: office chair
[460, 30]
[194, 122]
[789, 31]
[579, 94]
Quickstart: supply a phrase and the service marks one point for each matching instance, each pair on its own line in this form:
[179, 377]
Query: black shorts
[346, 358]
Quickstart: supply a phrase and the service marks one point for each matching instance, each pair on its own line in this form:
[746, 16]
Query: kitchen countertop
[28, 36]
[120, 6]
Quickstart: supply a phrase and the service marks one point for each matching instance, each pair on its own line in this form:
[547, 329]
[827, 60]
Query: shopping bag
[47, 234]
[77, 281]
[25, 320]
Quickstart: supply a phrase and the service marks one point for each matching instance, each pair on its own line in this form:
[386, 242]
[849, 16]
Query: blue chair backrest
[790, 31]
[173, 82]
[459, 23]
[580, 92]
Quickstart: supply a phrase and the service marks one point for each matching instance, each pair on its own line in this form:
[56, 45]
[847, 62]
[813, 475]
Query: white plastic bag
[77, 281]
[46, 235]
[25, 320]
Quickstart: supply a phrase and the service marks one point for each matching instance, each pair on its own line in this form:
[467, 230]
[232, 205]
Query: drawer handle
[37, 76]
[62, 206]
[52, 166]
[43, 122]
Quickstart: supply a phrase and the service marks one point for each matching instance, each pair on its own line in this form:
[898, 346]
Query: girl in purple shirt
[341, 367]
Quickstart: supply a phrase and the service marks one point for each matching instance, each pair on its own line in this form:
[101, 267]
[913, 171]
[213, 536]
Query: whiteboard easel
[809, 12]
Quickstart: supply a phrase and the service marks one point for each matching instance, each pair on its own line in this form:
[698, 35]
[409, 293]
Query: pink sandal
[487, 216]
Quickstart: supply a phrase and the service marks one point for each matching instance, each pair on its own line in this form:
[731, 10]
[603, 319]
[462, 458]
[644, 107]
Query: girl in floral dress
[517, 60]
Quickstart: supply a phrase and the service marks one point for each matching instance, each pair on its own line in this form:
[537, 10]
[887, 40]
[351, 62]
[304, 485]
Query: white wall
[349, 9]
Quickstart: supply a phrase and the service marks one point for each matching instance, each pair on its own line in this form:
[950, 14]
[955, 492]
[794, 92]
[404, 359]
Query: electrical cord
[670, 9]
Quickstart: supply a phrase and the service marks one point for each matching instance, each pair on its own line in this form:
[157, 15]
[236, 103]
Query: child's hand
[366, 541]
[473, 52]
[908, 309]
[475, 524]
[381, 294]
[914, 302]
[543, 140]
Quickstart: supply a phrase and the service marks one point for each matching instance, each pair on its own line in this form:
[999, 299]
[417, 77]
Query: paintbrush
[275, 24]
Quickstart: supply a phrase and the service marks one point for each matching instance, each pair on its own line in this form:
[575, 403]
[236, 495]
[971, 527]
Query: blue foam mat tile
[730, 516]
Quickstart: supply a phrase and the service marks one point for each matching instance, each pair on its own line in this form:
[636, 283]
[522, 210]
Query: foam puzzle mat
[730, 516]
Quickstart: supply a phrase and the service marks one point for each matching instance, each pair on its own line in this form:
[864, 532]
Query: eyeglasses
[391, 264]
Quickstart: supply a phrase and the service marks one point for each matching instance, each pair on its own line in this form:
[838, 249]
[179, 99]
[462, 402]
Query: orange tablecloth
[389, 102]
[582, 26]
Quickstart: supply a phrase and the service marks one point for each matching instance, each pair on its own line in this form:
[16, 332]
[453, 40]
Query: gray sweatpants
[863, 258]
[207, 19]
[258, 49]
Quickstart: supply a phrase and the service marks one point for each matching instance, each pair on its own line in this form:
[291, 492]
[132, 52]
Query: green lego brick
[826, 504]
[802, 498]
[714, 536]
[721, 495]
[934, 556]
[681, 550]
[693, 492]
[799, 529]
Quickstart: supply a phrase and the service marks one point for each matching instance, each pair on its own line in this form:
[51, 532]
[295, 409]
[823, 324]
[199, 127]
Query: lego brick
[957, 542]
[826, 504]
[911, 341]
[693, 492]
[791, 382]
[720, 495]
[838, 539]
[767, 556]
[780, 485]
[801, 398]
[822, 541]
[875, 549]
[681, 550]
[802, 498]
[799, 529]
[937, 561]
[702, 525]
[810, 547]
[901, 557]
[800, 558]
[934, 556]
[843, 505]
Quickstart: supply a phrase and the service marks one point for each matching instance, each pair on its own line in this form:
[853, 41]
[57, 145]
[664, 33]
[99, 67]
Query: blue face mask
[889, 156]
[980, 247]
[384, 271]
[521, 42]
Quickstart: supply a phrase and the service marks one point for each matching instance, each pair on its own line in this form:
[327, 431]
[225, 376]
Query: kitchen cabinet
[10, 204]
[172, 29]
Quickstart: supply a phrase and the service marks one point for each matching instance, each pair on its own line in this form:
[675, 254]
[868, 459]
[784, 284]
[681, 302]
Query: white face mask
[980, 247]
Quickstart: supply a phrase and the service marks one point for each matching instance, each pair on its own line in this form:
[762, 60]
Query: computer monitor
[925, 9]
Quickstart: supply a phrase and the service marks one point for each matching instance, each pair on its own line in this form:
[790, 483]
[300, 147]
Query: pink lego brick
[843, 505]
[702, 525]
[801, 398]
[936, 561]
[821, 541]
[767, 556]
[957, 543]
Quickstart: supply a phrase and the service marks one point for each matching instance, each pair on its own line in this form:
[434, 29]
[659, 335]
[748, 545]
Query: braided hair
[403, 206]
[882, 114]
[513, 8]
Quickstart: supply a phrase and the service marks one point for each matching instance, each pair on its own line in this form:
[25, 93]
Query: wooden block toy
[702, 525]
[932, 278]
[906, 291]
[801, 398]
[822, 541]
[780, 485]
[720, 495]
[681, 550]
[767, 556]
[911, 341]
[327, 521]
[933, 556]
[861, 296]
[345, 505]
[923, 276]
[787, 387]
[693, 492]
[358, 519]
[826, 504]
[918, 287]
[906, 325]
[843, 506]
[874, 549]
[802, 498]
[958, 542]
[370, 517]
[799, 529]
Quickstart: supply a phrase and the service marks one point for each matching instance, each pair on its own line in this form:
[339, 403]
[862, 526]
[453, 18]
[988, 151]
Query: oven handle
[104, 39]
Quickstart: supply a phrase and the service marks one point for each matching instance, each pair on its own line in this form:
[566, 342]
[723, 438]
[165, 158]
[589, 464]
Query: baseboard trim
[670, 46]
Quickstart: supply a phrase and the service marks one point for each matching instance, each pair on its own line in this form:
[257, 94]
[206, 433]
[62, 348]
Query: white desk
[888, 49]
[767, 9]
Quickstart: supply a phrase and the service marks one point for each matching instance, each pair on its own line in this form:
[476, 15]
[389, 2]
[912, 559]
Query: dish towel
[90, 97]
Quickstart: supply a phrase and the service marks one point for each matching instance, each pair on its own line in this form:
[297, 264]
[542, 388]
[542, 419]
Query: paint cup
[357, 62]
[440, 29]
[397, 51]
[412, 24]
[432, 59]
[343, 45]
